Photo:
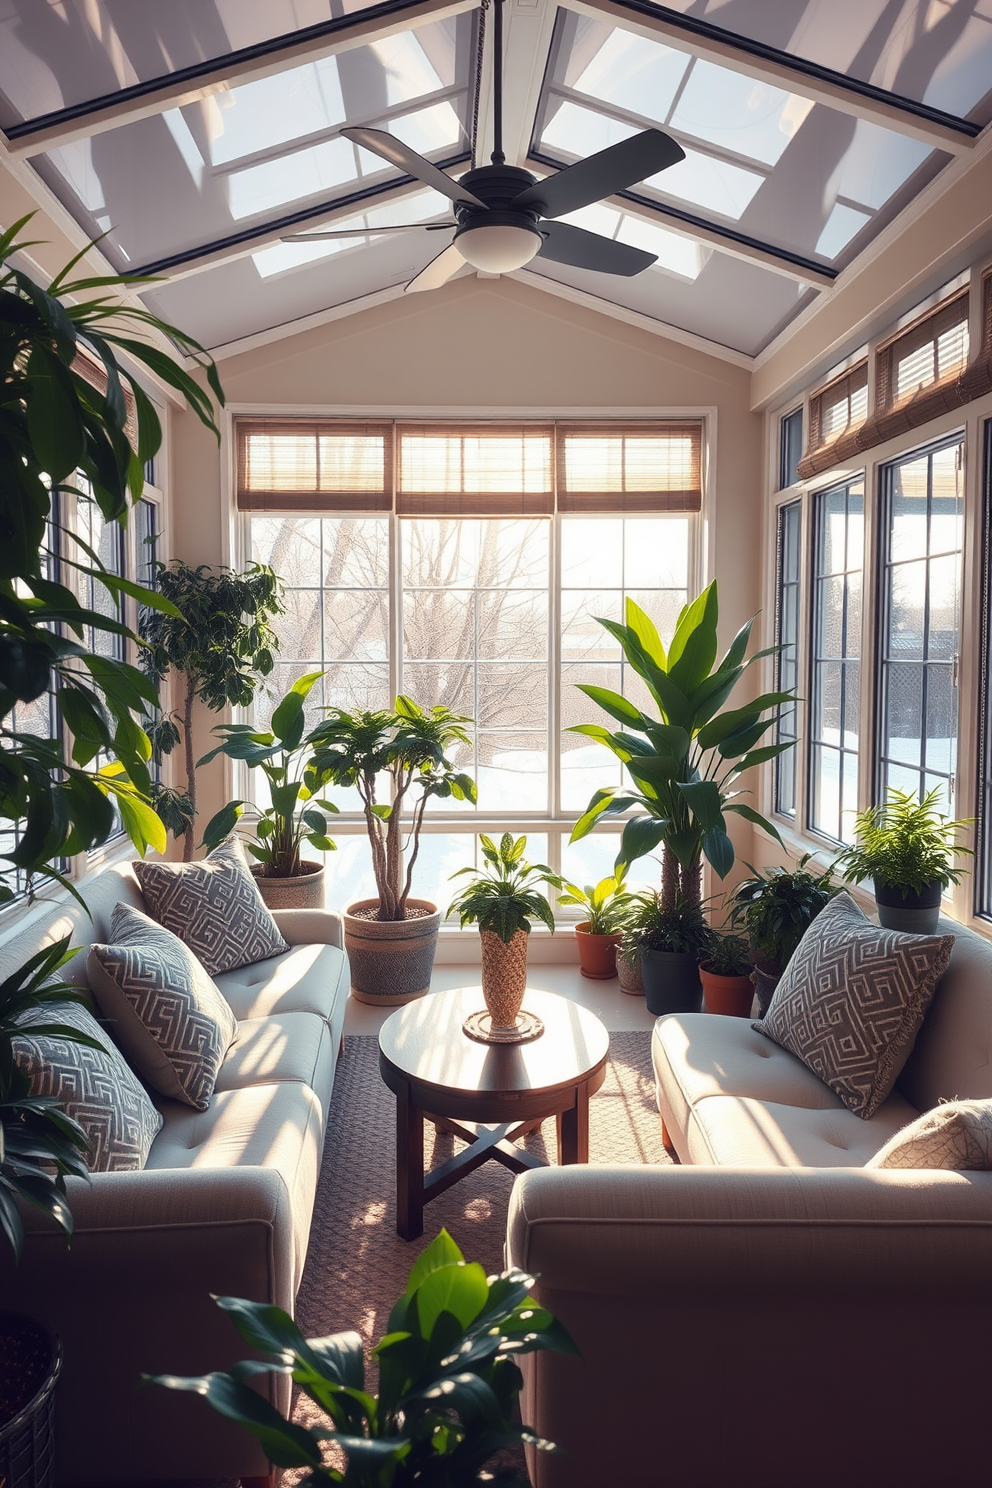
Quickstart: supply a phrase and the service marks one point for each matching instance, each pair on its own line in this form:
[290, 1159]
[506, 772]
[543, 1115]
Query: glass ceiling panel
[241, 157]
[53, 55]
[938, 52]
[768, 163]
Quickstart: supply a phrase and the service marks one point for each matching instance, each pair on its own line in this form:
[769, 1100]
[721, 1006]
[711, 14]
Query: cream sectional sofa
[769, 1313]
[224, 1205]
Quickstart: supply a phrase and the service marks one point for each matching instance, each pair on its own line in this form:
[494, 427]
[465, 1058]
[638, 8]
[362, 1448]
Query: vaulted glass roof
[197, 135]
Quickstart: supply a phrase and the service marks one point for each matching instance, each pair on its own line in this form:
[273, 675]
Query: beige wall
[488, 344]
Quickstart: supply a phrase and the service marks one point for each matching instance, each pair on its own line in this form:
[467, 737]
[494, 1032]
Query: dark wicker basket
[27, 1441]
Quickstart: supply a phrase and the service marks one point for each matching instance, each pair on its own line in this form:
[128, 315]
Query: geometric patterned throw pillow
[955, 1135]
[96, 1088]
[214, 907]
[163, 1010]
[851, 1001]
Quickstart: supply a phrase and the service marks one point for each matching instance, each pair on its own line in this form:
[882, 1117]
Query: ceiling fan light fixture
[498, 247]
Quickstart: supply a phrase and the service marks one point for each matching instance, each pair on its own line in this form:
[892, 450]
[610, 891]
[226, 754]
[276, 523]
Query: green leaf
[442, 1251]
[719, 850]
[749, 814]
[611, 702]
[53, 419]
[693, 650]
[221, 825]
[737, 719]
[646, 632]
[460, 1289]
[706, 803]
[641, 835]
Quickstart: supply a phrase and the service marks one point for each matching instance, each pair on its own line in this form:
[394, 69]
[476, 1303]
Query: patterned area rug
[357, 1265]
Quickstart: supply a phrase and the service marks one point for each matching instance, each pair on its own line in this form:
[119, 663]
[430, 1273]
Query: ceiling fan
[504, 216]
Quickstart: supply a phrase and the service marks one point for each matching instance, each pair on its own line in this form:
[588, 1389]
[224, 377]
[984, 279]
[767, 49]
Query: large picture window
[923, 511]
[835, 660]
[787, 606]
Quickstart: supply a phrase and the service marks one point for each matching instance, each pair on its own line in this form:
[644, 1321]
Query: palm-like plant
[408, 746]
[686, 763]
[504, 897]
[606, 904]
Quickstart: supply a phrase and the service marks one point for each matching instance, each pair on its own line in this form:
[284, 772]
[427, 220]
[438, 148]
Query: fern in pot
[907, 848]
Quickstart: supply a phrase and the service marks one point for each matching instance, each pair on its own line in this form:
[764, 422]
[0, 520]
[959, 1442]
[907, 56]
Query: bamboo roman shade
[840, 406]
[471, 469]
[314, 466]
[932, 351]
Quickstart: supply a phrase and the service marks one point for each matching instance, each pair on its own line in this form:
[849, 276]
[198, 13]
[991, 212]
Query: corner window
[835, 659]
[787, 604]
[790, 448]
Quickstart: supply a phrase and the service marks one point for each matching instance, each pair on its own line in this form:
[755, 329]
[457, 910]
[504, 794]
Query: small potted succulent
[502, 900]
[295, 814]
[725, 972]
[907, 848]
[598, 936]
[775, 908]
[669, 944]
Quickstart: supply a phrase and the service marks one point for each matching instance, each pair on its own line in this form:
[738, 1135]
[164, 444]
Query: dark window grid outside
[983, 875]
[787, 609]
[146, 548]
[107, 541]
[790, 448]
[830, 762]
[922, 773]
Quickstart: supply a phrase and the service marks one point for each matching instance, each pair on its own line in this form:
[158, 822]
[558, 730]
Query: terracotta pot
[597, 953]
[916, 913]
[629, 972]
[504, 976]
[730, 996]
[304, 891]
[391, 960]
[671, 981]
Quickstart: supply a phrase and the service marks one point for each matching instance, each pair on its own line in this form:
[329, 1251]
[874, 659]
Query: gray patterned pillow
[955, 1135]
[214, 907]
[851, 1000]
[96, 1088]
[169, 1019]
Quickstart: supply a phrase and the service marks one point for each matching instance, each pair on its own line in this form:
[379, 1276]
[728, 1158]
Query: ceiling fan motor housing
[498, 237]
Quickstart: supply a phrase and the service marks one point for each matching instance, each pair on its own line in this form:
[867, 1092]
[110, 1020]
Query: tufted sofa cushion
[305, 979]
[735, 1131]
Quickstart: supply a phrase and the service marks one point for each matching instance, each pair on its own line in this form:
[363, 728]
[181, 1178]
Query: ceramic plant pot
[916, 913]
[629, 972]
[304, 891]
[671, 981]
[30, 1363]
[391, 960]
[597, 953]
[504, 976]
[730, 996]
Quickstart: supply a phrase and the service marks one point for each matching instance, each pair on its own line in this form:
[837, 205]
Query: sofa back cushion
[952, 1056]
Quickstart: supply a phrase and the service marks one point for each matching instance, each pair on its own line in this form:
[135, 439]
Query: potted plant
[669, 942]
[907, 848]
[775, 908]
[448, 1381]
[598, 935]
[685, 763]
[218, 639]
[294, 815]
[725, 972]
[502, 900]
[391, 940]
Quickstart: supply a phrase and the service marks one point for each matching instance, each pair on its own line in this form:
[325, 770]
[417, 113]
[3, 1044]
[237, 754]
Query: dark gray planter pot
[671, 981]
[765, 981]
[915, 913]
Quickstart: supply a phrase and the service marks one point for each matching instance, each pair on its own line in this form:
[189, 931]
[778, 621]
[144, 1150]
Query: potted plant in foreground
[598, 936]
[391, 940]
[669, 942]
[286, 880]
[775, 908]
[501, 900]
[448, 1383]
[907, 848]
[725, 972]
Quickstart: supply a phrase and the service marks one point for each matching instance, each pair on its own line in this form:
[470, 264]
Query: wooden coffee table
[437, 1072]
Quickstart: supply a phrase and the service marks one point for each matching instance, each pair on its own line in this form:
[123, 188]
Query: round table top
[425, 1042]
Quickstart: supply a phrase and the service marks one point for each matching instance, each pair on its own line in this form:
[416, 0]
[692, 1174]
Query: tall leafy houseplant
[294, 814]
[219, 640]
[775, 907]
[448, 1381]
[685, 764]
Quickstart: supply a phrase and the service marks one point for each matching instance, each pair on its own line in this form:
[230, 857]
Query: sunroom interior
[794, 400]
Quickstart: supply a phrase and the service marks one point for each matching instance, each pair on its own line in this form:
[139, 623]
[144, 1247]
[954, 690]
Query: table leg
[573, 1129]
[409, 1167]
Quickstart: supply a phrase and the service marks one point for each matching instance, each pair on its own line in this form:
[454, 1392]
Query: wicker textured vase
[391, 960]
[305, 891]
[504, 976]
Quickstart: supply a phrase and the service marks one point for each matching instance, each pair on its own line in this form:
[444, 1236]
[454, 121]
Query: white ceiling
[195, 134]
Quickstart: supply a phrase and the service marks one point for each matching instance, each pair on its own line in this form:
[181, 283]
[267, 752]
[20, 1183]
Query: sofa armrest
[310, 926]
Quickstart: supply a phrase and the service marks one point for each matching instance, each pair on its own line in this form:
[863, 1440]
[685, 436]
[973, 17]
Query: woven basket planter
[391, 960]
[504, 976]
[27, 1439]
[304, 891]
[629, 972]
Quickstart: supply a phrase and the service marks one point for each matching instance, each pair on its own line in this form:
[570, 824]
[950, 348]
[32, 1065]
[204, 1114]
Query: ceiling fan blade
[398, 154]
[365, 232]
[438, 271]
[603, 174]
[566, 244]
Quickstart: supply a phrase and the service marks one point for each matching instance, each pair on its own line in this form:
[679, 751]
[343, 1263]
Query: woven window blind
[840, 406]
[314, 466]
[931, 352]
[474, 470]
[635, 467]
[95, 374]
